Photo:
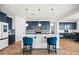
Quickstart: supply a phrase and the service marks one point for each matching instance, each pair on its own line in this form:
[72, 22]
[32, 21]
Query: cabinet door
[39, 42]
[9, 21]
[43, 42]
[11, 39]
[36, 42]
[3, 43]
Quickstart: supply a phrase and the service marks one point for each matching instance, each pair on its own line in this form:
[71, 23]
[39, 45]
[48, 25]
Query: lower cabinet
[11, 39]
[39, 42]
[3, 43]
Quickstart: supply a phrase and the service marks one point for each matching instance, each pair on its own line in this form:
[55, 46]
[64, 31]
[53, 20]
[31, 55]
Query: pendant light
[26, 24]
[26, 15]
[39, 25]
[52, 24]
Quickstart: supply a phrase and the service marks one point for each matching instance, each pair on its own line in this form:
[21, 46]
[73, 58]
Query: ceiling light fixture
[51, 12]
[52, 24]
[39, 24]
[27, 25]
[39, 12]
[32, 14]
[26, 12]
[51, 9]
[26, 9]
[39, 9]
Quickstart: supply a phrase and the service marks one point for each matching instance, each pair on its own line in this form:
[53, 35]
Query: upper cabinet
[2, 16]
[67, 25]
[6, 19]
[9, 21]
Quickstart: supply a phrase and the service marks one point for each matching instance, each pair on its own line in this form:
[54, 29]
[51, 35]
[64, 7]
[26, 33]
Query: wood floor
[67, 47]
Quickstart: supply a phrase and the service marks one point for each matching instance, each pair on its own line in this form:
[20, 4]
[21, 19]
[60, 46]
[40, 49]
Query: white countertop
[41, 35]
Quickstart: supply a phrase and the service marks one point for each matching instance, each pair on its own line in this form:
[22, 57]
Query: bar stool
[52, 42]
[27, 42]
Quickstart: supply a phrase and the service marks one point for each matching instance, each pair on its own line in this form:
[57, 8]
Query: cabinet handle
[35, 37]
[45, 37]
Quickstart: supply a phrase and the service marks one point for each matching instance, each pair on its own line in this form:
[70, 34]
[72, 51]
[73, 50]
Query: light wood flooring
[67, 47]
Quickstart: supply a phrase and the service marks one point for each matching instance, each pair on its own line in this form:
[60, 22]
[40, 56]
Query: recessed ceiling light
[26, 9]
[39, 9]
[32, 14]
[51, 9]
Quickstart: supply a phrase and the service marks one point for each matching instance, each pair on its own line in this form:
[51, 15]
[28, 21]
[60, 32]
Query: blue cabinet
[67, 25]
[9, 21]
[4, 18]
[11, 39]
[2, 14]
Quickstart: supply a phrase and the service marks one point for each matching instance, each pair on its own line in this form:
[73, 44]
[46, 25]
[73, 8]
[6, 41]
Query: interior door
[4, 30]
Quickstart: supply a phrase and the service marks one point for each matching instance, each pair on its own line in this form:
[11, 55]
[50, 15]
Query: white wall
[19, 27]
[13, 23]
[78, 25]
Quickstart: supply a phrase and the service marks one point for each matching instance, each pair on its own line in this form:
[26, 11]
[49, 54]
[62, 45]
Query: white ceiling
[59, 12]
[74, 17]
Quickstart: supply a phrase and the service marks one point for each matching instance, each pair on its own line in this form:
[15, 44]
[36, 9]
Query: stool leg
[55, 49]
[23, 50]
[48, 48]
[30, 49]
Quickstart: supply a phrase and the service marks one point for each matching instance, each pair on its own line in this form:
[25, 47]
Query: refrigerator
[3, 35]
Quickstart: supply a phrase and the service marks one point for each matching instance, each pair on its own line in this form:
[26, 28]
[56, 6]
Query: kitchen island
[40, 40]
[41, 33]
